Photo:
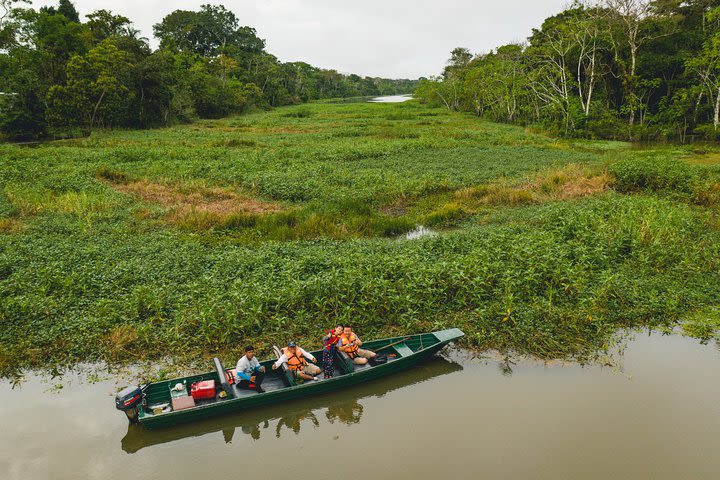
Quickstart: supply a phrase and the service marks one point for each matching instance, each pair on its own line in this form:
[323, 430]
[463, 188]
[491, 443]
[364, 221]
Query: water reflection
[293, 420]
[343, 406]
[506, 366]
[348, 413]
[253, 431]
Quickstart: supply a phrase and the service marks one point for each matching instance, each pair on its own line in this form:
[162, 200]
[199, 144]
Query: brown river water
[655, 415]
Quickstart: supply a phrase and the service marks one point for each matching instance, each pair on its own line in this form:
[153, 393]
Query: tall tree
[551, 49]
[96, 90]
[7, 26]
[460, 57]
[67, 8]
[630, 33]
[707, 65]
[207, 32]
[104, 24]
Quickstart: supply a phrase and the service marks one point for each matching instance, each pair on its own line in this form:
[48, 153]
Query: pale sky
[386, 38]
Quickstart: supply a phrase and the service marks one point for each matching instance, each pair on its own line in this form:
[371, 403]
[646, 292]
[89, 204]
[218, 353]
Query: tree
[67, 9]
[628, 18]
[103, 24]
[497, 82]
[158, 94]
[96, 90]
[678, 112]
[301, 80]
[40, 45]
[64, 8]
[7, 25]
[460, 57]
[207, 32]
[706, 65]
[57, 39]
[586, 31]
[440, 92]
[552, 81]
[582, 69]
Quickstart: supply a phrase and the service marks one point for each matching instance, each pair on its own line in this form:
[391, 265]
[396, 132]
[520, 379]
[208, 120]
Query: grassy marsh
[195, 239]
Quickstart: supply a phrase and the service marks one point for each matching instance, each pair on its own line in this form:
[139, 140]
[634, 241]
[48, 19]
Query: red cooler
[203, 390]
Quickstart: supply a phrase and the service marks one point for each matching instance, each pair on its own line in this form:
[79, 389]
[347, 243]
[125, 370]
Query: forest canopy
[60, 75]
[628, 69]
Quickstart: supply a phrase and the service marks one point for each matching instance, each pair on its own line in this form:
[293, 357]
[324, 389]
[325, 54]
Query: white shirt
[247, 366]
[284, 359]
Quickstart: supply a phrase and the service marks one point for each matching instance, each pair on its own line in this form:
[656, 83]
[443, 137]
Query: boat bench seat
[345, 362]
[222, 378]
[403, 350]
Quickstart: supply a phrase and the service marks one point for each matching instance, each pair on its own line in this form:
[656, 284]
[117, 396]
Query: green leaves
[96, 88]
[654, 174]
[96, 274]
[534, 286]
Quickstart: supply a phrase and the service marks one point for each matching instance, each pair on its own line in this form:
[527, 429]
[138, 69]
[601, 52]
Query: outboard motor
[128, 401]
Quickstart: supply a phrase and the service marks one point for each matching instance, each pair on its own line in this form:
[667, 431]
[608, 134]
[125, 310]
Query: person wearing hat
[297, 361]
[249, 373]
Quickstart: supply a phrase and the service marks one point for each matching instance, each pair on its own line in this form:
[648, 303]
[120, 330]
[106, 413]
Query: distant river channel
[392, 99]
[654, 415]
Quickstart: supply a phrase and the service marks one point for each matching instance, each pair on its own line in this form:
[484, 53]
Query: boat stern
[128, 400]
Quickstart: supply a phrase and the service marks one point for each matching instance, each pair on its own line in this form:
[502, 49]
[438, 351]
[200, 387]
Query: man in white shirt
[297, 361]
[249, 373]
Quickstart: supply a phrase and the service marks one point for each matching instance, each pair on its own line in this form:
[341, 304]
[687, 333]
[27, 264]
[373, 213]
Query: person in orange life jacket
[297, 361]
[249, 371]
[350, 343]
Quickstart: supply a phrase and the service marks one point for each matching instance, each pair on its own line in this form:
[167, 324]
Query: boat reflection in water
[341, 406]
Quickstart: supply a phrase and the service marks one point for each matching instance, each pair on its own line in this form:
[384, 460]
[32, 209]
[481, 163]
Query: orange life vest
[296, 361]
[351, 351]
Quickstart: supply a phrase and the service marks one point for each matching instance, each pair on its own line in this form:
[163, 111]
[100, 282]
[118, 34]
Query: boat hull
[298, 391]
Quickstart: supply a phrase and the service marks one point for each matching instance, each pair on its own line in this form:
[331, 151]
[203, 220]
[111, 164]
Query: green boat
[150, 405]
[341, 405]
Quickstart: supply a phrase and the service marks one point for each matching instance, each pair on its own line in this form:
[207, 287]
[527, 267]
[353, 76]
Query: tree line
[59, 74]
[625, 69]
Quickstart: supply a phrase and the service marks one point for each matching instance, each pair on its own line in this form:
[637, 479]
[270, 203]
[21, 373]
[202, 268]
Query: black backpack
[378, 360]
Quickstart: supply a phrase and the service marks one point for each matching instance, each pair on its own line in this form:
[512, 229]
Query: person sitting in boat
[250, 373]
[330, 341]
[350, 344]
[297, 361]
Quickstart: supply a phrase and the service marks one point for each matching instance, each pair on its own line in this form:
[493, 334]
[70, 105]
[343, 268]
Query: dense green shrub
[551, 280]
[653, 173]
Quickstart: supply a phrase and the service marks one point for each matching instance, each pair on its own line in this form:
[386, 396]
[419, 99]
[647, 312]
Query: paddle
[393, 344]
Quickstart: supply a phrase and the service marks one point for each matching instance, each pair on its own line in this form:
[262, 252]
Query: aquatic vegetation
[704, 324]
[137, 244]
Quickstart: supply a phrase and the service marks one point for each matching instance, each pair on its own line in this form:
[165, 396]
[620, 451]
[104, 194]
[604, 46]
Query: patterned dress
[329, 347]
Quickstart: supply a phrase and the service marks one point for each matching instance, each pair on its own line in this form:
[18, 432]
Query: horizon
[321, 35]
